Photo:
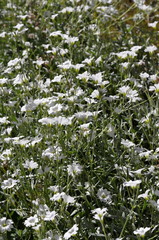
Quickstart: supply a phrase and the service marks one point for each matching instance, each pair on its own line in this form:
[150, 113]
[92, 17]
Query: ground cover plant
[79, 119]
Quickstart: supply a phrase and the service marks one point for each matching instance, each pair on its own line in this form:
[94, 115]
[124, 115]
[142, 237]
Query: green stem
[103, 228]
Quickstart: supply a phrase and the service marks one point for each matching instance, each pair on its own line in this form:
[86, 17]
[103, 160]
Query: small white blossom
[127, 143]
[153, 25]
[95, 94]
[71, 40]
[145, 195]
[84, 76]
[67, 198]
[50, 216]
[151, 49]
[53, 16]
[56, 197]
[30, 165]
[126, 54]
[132, 184]
[31, 221]
[136, 48]
[56, 120]
[5, 224]
[99, 213]
[97, 78]
[71, 232]
[104, 195]
[144, 75]
[3, 120]
[74, 169]
[66, 65]
[55, 34]
[154, 88]
[141, 231]
[88, 60]
[9, 183]
[14, 62]
[3, 34]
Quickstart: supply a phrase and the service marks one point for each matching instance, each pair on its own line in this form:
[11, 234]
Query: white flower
[34, 141]
[71, 40]
[125, 64]
[39, 62]
[5, 224]
[123, 54]
[54, 189]
[67, 198]
[128, 92]
[145, 8]
[3, 120]
[56, 120]
[132, 184]
[85, 126]
[154, 88]
[67, 9]
[30, 165]
[136, 48]
[52, 152]
[3, 34]
[19, 26]
[3, 81]
[153, 77]
[110, 130]
[144, 75]
[42, 209]
[95, 94]
[138, 171]
[145, 195]
[124, 90]
[31, 221]
[153, 25]
[19, 79]
[57, 108]
[57, 79]
[97, 77]
[157, 204]
[88, 60]
[30, 106]
[104, 195]
[126, 54]
[9, 183]
[53, 16]
[145, 154]
[100, 213]
[56, 197]
[63, 52]
[13, 62]
[141, 231]
[22, 142]
[133, 95]
[55, 34]
[66, 65]
[85, 115]
[78, 66]
[52, 236]
[98, 60]
[84, 76]
[71, 232]
[74, 169]
[151, 49]
[50, 216]
[127, 143]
